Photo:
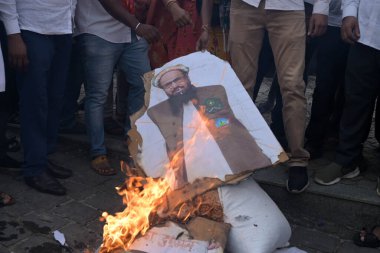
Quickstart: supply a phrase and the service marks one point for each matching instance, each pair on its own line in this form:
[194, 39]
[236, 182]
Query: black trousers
[331, 65]
[361, 90]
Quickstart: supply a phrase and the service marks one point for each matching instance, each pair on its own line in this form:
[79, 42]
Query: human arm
[206, 14]
[17, 53]
[180, 16]
[319, 19]
[117, 10]
[350, 26]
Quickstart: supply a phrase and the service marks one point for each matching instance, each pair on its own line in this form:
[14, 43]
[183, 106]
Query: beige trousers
[287, 34]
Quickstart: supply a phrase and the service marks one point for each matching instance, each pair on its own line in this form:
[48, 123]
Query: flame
[142, 197]
[147, 198]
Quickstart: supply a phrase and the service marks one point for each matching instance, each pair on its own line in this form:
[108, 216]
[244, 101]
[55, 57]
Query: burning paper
[199, 130]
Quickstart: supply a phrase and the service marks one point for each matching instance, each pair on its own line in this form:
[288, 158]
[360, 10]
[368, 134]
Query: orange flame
[145, 197]
[121, 230]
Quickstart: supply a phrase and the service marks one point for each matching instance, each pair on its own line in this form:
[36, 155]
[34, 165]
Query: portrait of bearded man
[234, 150]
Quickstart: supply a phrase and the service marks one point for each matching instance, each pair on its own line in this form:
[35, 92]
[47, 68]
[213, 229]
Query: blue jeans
[41, 88]
[100, 58]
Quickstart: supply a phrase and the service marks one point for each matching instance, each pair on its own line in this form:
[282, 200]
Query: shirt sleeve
[350, 8]
[321, 7]
[9, 16]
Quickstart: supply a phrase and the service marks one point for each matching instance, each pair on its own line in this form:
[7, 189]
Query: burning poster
[200, 122]
[198, 134]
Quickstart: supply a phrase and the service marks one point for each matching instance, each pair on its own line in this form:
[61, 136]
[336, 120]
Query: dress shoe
[46, 183]
[58, 171]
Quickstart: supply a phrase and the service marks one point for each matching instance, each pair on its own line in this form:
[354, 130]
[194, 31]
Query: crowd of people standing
[51, 48]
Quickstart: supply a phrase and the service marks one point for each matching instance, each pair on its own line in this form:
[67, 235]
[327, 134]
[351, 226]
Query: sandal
[368, 239]
[101, 166]
[6, 199]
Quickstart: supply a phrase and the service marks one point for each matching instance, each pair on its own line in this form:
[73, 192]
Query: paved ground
[27, 226]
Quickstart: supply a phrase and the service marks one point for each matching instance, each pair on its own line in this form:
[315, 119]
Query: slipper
[101, 166]
[6, 200]
[368, 239]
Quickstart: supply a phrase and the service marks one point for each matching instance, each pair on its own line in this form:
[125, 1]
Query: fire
[142, 196]
[149, 201]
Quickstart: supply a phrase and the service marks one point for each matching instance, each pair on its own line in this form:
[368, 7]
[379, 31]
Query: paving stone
[80, 237]
[77, 212]
[40, 244]
[78, 191]
[4, 249]
[350, 247]
[42, 221]
[102, 201]
[12, 230]
[314, 239]
[42, 201]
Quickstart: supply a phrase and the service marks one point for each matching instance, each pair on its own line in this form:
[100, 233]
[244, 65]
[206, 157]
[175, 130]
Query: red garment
[175, 42]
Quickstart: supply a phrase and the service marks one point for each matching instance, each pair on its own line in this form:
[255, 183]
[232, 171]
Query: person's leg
[34, 89]
[331, 61]
[362, 87]
[56, 87]
[99, 59]
[75, 80]
[287, 34]
[265, 62]
[245, 40]
[121, 96]
[134, 63]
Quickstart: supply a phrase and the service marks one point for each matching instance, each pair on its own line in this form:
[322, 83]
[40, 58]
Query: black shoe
[8, 162]
[46, 183]
[298, 179]
[58, 171]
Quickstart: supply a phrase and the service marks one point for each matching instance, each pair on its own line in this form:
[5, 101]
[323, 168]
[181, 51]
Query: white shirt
[40, 16]
[92, 18]
[320, 6]
[368, 14]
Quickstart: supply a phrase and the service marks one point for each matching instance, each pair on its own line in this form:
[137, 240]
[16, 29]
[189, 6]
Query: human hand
[148, 32]
[350, 29]
[202, 42]
[317, 25]
[180, 16]
[17, 53]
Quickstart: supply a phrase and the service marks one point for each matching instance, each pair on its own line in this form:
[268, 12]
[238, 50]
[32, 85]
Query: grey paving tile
[350, 247]
[314, 239]
[105, 202]
[80, 237]
[12, 230]
[38, 243]
[77, 212]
